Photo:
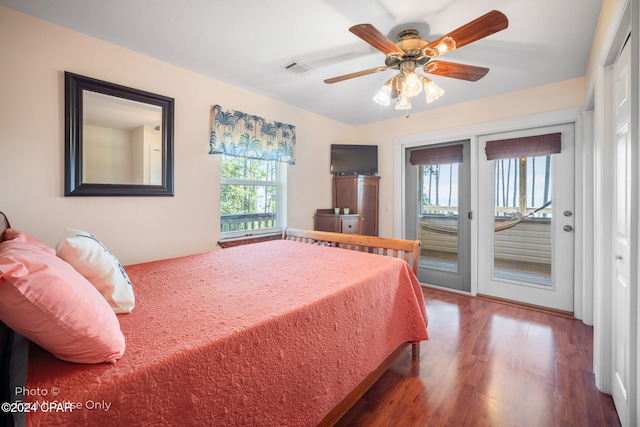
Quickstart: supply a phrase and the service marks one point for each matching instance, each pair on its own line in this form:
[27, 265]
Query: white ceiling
[249, 42]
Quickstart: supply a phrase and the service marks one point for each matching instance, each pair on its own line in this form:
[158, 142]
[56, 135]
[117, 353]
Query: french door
[526, 216]
[438, 183]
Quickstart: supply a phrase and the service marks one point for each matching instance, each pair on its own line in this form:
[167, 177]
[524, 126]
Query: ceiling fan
[411, 52]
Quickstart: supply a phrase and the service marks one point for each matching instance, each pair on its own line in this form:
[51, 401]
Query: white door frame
[582, 305]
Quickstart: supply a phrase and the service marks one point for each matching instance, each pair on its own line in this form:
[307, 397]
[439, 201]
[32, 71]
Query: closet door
[622, 339]
[368, 204]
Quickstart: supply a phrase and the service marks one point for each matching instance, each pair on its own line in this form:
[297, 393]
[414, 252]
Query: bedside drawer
[350, 225]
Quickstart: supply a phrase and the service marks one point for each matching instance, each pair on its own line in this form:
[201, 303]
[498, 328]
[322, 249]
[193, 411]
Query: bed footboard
[406, 249]
[409, 250]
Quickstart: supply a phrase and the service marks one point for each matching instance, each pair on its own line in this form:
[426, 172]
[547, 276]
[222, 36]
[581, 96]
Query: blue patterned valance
[242, 135]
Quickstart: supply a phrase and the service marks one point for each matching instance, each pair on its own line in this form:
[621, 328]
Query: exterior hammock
[500, 226]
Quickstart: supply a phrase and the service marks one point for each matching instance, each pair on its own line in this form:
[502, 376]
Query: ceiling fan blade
[375, 38]
[477, 29]
[356, 74]
[456, 71]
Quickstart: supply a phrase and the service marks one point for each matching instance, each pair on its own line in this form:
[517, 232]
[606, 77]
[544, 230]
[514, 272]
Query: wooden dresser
[327, 220]
[359, 193]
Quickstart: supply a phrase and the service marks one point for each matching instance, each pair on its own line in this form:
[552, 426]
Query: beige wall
[35, 55]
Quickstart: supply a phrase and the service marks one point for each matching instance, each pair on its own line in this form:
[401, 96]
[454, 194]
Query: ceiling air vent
[297, 67]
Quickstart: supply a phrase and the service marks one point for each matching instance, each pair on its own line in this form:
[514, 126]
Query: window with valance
[234, 133]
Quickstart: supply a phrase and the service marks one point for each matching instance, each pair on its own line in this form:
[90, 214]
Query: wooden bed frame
[405, 249]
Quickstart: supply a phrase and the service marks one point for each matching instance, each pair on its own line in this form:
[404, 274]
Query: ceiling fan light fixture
[432, 90]
[403, 102]
[412, 84]
[383, 97]
[447, 44]
[411, 51]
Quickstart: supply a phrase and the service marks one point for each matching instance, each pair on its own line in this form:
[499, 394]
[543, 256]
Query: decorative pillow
[94, 261]
[46, 300]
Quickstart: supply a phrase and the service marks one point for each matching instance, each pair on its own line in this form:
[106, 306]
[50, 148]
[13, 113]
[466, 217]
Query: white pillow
[94, 261]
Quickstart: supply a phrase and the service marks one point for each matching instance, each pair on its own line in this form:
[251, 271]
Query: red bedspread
[274, 334]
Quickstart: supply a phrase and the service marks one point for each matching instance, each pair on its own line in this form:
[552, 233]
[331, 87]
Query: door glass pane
[438, 216]
[522, 244]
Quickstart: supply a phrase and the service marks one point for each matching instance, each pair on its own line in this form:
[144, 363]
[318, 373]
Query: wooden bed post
[415, 351]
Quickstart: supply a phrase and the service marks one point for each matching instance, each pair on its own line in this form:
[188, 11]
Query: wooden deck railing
[253, 221]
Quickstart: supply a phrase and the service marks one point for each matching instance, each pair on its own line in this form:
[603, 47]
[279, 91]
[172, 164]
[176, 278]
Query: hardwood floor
[490, 364]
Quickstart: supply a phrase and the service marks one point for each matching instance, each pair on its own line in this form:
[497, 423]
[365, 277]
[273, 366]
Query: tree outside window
[249, 201]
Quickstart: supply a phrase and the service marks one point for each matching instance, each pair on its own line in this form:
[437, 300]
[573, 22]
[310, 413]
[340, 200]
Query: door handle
[618, 257]
[567, 228]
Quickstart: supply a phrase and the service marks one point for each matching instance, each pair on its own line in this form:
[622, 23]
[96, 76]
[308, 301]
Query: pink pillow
[48, 301]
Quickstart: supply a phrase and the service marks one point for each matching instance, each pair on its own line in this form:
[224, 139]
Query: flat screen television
[354, 159]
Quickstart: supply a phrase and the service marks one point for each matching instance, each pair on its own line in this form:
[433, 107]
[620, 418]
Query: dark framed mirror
[118, 140]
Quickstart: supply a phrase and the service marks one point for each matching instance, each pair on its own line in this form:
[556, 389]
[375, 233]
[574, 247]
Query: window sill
[245, 240]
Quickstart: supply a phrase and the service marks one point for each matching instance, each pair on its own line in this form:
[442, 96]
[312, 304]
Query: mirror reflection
[122, 141]
[118, 140]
